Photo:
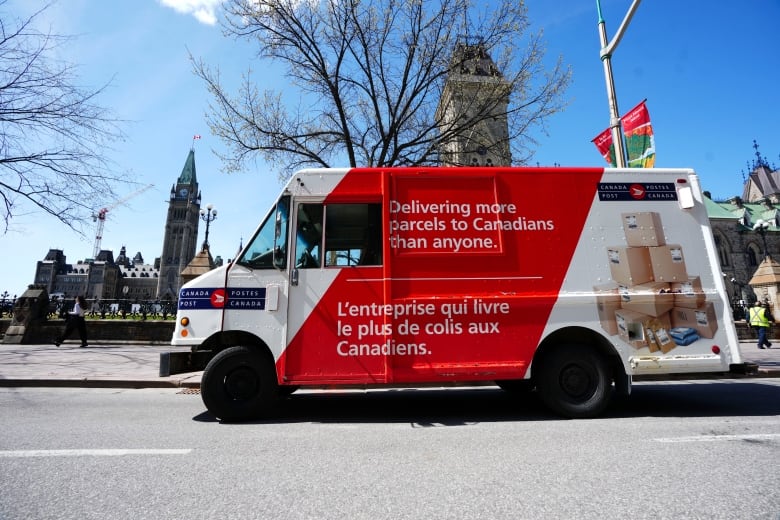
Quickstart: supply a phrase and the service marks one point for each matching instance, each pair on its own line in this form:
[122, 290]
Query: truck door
[255, 299]
[337, 328]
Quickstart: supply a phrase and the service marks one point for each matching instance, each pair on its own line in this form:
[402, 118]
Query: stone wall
[151, 332]
[740, 253]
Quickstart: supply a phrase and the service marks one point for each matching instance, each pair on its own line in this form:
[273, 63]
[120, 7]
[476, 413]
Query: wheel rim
[241, 384]
[576, 381]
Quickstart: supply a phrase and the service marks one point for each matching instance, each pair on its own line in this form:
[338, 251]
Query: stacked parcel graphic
[652, 302]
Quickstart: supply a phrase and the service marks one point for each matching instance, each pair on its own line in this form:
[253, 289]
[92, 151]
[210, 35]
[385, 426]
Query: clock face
[183, 192]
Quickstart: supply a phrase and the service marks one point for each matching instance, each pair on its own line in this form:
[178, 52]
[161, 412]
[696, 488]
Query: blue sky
[709, 71]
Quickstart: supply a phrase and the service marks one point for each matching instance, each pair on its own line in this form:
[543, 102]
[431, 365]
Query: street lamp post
[738, 306]
[208, 215]
[761, 226]
[607, 48]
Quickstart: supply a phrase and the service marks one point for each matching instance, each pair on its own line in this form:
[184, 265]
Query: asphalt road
[705, 449]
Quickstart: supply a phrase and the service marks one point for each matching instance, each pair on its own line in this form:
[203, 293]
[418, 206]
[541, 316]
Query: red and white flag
[639, 139]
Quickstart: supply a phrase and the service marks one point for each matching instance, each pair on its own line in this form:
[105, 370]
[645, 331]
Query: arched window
[752, 255]
[724, 249]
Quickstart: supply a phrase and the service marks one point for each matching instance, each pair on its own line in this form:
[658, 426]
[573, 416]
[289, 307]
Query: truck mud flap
[746, 369]
[180, 362]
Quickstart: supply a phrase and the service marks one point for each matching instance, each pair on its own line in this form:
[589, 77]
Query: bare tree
[368, 76]
[53, 134]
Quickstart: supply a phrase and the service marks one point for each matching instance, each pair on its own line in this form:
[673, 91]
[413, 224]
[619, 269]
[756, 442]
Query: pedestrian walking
[75, 320]
[761, 319]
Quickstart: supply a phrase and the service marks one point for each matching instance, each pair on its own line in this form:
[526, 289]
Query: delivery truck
[565, 282]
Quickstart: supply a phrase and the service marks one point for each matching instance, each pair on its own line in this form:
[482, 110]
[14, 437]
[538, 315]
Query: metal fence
[6, 305]
[122, 309]
[108, 309]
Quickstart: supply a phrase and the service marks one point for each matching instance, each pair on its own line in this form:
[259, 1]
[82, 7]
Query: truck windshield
[268, 248]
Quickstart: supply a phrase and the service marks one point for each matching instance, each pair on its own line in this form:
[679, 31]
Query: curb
[96, 383]
[135, 384]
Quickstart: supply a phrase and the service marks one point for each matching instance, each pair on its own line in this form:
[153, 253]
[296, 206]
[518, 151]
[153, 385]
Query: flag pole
[607, 48]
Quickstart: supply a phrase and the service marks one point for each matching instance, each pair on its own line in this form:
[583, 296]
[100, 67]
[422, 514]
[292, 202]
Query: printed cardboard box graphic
[659, 305]
[607, 302]
[668, 263]
[643, 229]
[633, 327]
[659, 337]
[630, 265]
[689, 293]
[652, 298]
[703, 319]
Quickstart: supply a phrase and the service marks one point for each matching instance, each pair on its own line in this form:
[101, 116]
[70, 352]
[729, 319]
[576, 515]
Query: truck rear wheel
[238, 384]
[574, 381]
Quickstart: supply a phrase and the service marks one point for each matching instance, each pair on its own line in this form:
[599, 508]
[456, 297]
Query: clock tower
[472, 111]
[181, 230]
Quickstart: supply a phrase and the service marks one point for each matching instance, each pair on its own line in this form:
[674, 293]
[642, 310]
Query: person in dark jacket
[75, 320]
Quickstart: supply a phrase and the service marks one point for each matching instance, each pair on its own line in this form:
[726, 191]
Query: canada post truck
[564, 281]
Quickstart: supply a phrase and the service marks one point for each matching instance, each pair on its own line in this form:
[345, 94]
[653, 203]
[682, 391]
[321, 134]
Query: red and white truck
[566, 280]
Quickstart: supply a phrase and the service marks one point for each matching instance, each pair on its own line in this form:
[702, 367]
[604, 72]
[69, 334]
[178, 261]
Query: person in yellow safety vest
[761, 319]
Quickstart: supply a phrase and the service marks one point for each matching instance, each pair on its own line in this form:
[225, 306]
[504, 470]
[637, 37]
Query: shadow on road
[465, 406]
[753, 397]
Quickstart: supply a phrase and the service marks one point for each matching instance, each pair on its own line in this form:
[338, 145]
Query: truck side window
[268, 248]
[353, 234]
[308, 236]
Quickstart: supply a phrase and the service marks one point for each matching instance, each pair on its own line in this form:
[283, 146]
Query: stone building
[741, 246]
[139, 277]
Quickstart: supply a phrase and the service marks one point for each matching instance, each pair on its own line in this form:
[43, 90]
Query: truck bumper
[180, 362]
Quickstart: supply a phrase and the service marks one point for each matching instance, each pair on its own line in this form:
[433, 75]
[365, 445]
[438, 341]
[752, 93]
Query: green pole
[607, 48]
[614, 116]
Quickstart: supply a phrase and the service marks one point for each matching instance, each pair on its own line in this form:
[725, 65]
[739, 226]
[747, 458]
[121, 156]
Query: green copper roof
[747, 215]
[715, 210]
[188, 172]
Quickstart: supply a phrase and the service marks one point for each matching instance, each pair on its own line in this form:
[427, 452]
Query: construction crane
[100, 217]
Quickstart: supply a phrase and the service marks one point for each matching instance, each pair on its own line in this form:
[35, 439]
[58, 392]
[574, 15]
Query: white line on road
[712, 438]
[90, 453]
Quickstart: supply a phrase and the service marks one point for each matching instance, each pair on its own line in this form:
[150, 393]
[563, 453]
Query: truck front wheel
[238, 384]
[574, 381]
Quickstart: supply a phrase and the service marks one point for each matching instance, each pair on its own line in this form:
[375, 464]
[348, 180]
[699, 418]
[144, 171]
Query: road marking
[713, 438]
[90, 453]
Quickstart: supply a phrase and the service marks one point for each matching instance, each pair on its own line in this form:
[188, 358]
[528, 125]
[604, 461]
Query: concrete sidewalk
[99, 365]
[137, 366]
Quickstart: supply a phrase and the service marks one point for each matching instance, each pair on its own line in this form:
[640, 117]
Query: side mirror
[278, 227]
[278, 258]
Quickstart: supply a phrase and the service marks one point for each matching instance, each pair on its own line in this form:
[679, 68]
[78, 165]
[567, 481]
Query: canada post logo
[637, 191]
[247, 298]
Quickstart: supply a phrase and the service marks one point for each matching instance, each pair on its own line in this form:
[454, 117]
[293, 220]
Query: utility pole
[607, 48]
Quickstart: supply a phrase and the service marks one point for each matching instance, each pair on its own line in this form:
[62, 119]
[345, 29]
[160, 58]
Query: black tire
[515, 386]
[239, 384]
[574, 381]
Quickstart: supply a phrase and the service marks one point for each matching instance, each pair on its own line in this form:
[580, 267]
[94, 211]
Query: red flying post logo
[218, 298]
[637, 191]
